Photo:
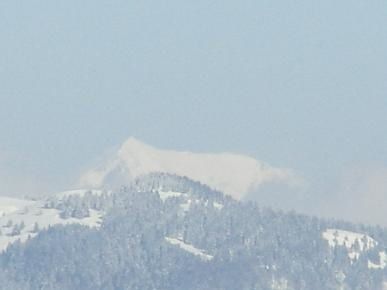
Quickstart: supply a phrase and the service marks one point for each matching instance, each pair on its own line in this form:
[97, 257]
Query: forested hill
[166, 232]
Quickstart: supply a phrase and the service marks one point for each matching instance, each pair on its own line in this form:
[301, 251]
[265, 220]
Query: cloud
[233, 174]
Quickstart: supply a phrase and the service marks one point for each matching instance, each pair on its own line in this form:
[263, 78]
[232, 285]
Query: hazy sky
[298, 84]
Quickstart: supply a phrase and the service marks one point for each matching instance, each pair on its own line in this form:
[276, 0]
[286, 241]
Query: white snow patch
[164, 195]
[218, 205]
[189, 248]
[336, 237]
[279, 284]
[187, 205]
[382, 264]
[354, 255]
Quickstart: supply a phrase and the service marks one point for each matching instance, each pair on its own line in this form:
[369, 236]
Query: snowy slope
[9, 205]
[232, 174]
[23, 219]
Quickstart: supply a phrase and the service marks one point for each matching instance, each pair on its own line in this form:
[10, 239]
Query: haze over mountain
[299, 85]
[358, 196]
[267, 163]
[233, 174]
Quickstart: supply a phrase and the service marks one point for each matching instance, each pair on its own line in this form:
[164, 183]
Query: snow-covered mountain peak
[233, 174]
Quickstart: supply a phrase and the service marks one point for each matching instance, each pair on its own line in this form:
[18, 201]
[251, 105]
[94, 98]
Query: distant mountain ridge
[233, 174]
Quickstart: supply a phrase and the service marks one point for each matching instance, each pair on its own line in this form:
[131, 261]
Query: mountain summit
[233, 174]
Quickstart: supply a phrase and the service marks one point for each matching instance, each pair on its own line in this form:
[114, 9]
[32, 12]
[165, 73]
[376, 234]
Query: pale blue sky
[299, 84]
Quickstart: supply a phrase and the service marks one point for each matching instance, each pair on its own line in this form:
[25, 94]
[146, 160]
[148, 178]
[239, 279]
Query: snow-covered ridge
[232, 174]
[189, 248]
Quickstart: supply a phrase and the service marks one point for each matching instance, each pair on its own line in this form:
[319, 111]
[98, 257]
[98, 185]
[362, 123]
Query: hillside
[169, 232]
